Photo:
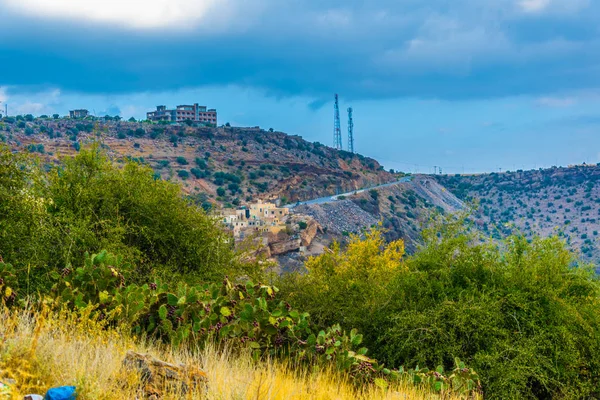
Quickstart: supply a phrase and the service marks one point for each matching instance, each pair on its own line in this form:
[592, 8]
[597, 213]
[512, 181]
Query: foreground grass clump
[44, 349]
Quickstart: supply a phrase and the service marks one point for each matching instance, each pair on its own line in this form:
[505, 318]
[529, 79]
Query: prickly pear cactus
[242, 314]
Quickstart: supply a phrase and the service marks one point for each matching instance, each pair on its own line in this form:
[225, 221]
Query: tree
[102, 205]
[523, 313]
[220, 191]
[132, 119]
[55, 116]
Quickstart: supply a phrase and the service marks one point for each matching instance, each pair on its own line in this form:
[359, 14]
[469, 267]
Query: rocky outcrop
[301, 236]
[310, 232]
[285, 246]
[160, 377]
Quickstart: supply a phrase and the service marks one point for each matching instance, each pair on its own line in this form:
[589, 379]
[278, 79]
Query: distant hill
[223, 166]
[563, 201]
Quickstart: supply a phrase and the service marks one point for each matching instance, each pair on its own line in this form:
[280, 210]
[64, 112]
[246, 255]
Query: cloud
[45, 101]
[112, 111]
[32, 108]
[130, 110]
[556, 101]
[533, 5]
[362, 50]
[145, 14]
[316, 105]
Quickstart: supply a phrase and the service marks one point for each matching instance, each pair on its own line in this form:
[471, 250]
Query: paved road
[330, 199]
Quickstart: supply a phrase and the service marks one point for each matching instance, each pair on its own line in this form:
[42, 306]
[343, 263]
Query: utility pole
[350, 131]
[337, 132]
[435, 169]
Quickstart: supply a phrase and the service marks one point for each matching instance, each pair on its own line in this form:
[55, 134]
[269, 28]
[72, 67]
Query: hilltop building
[181, 113]
[78, 114]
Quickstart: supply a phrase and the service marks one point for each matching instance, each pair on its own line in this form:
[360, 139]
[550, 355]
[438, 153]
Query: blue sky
[467, 85]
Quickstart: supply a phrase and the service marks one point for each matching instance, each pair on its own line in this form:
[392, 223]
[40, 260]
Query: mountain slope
[401, 208]
[245, 163]
[563, 201]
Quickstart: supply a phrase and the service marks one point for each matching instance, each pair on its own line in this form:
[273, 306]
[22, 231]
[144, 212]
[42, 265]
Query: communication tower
[337, 133]
[350, 131]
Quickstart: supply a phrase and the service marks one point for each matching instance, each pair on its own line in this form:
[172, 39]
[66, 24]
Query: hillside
[563, 201]
[224, 166]
[401, 208]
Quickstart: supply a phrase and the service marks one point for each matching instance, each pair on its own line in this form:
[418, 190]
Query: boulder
[307, 235]
[283, 247]
[159, 376]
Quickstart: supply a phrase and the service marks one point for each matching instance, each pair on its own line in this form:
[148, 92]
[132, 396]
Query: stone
[307, 235]
[159, 376]
[283, 247]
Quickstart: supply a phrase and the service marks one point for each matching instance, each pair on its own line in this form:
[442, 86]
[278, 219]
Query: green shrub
[523, 313]
[244, 315]
[198, 173]
[50, 219]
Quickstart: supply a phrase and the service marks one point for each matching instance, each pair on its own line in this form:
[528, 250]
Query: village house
[257, 218]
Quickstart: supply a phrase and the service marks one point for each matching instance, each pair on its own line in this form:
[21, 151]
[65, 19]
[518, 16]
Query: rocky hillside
[401, 208]
[219, 166]
[563, 201]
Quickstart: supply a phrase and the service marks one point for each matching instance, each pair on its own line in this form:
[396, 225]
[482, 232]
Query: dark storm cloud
[366, 50]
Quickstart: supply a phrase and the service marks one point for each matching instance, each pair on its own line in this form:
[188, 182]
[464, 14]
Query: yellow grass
[40, 350]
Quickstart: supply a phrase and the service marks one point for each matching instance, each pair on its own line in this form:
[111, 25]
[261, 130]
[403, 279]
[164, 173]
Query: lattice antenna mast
[337, 132]
[350, 131]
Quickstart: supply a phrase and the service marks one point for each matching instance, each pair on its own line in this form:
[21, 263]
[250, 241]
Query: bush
[183, 174]
[182, 161]
[139, 132]
[340, 281]
[36, 148]
[198, 174]
[88, 203]
[522, 313]
[244, 315]
[200, 163]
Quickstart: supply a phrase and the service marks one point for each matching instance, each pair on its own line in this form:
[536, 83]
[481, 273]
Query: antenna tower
[350, 131]
[337, 132]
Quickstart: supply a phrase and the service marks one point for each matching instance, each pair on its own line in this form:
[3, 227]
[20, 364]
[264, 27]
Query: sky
[465, 85]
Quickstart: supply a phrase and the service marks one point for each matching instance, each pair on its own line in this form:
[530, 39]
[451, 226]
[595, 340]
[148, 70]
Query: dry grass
[41, 350]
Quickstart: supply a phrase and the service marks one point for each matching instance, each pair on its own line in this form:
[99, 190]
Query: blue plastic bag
[61, 393]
